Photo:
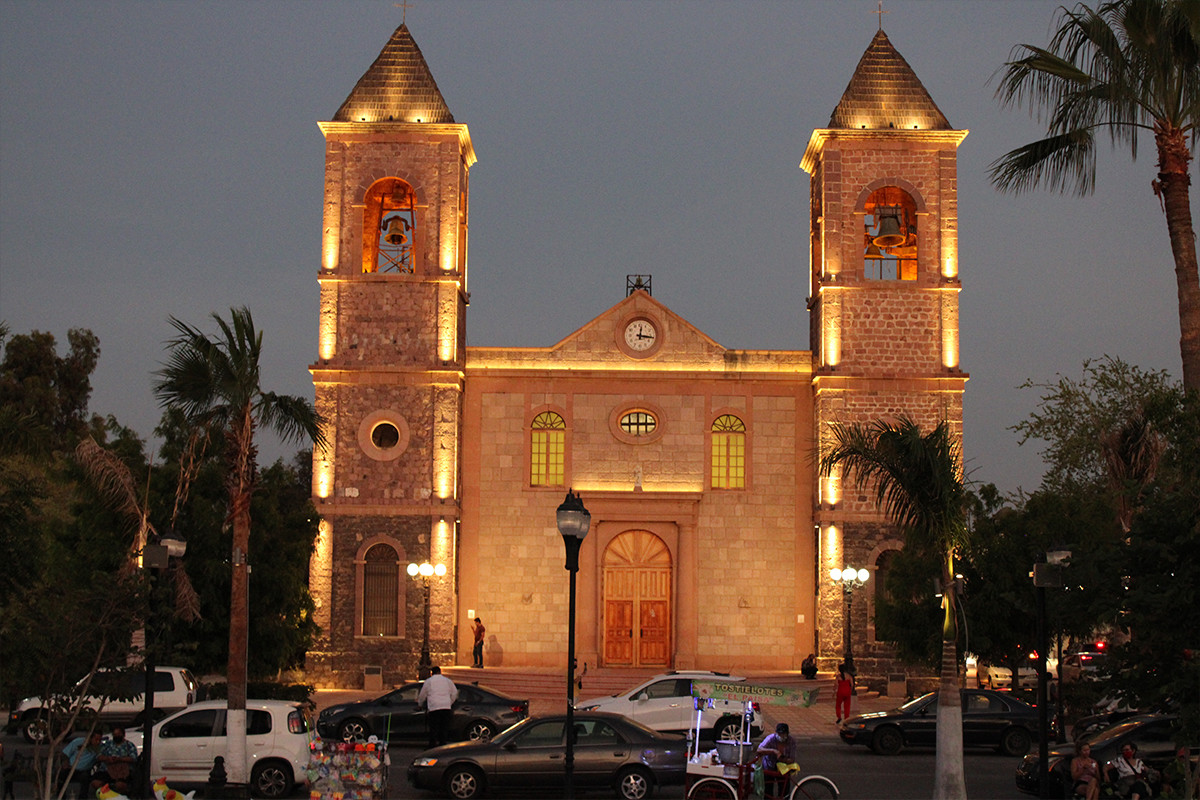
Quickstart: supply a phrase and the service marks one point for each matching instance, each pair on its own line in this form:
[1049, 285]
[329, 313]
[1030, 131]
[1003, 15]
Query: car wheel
[815, 788]
[887, 741]
[711, 789]
[35, 730]
[464, 782]
[727, 729]
[634, 784]
[354, 730]
[480, 731]
[1015, 742]
[271, 779]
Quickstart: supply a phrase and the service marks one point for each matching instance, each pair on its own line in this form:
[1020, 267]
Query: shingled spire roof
[885, 93]
[397, 87]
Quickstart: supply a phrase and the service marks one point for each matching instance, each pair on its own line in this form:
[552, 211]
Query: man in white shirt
[437, 695]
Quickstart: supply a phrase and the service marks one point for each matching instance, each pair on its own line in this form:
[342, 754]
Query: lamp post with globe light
[573, 523]
[850, 579]
[426, 572]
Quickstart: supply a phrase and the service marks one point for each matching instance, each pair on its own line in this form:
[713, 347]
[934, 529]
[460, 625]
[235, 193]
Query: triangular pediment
[397, 87]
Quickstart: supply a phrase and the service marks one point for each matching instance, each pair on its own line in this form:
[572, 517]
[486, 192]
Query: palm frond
[1062, 162]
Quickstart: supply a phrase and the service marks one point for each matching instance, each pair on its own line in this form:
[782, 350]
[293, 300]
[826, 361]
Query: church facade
[712, 534]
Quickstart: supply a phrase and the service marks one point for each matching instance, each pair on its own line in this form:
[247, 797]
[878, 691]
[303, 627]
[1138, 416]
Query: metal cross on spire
[881, 12]
[405, 6]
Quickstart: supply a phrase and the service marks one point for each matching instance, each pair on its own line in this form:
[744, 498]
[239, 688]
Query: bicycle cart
[729, 772]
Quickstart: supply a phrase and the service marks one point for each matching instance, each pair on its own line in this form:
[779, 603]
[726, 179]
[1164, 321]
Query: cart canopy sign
[739, 692]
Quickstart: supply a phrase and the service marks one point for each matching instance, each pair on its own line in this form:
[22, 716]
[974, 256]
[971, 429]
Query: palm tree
[1127, 67]
[216, 385]
[918, 484]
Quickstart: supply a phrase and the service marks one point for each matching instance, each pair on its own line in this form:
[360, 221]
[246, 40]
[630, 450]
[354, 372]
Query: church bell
[396, 226]
[889, 234]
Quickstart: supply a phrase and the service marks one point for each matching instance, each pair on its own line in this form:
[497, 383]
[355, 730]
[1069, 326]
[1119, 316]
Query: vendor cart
[732, 770]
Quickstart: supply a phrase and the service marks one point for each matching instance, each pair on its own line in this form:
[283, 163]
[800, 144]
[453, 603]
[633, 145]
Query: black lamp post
[425, 572]
[850, 579]
[573, 523]
[1046, 575]
[156, 558]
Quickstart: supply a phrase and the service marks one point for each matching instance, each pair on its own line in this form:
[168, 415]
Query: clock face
[640, 335]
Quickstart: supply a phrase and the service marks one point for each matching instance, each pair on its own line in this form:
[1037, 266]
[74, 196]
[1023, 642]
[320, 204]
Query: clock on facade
[640, 335]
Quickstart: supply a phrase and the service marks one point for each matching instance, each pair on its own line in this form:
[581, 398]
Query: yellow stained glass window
[728, 453]
[547, 450]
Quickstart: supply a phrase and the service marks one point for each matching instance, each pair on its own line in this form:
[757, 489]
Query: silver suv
[664, 703]
[115, 697]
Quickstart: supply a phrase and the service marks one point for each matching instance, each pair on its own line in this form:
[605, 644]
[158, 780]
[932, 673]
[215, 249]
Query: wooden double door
[637, 601]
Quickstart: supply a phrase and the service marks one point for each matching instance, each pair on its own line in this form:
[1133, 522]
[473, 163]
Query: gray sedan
[610, 750]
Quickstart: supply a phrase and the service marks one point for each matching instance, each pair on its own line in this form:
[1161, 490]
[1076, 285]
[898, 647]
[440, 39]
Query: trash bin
[897, 684]
[373, 679]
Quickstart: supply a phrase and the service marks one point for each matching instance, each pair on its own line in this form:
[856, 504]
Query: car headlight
[591, 707]
[424, 762]
[858, 726]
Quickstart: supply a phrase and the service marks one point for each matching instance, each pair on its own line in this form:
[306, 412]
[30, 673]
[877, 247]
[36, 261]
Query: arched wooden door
[637, 601]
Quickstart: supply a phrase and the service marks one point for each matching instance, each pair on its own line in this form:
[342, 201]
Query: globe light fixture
[849, 579]
[426, 572]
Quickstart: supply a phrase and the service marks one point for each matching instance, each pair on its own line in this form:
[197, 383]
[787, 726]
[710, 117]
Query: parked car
[116, 697]
[610, 751]
[1152, 733]
[990, 719]
[664, 703]
[479, 714]
[185, 744]
[997, 676]
[1081, 665]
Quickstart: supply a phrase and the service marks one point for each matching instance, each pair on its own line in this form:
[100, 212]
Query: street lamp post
[1047, 574]
[850, 579]
[573, 523]
[425, 572]
[156, 558]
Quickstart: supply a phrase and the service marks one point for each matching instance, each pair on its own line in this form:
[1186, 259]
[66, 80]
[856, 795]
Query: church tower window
[890, 236]
[728, 453]
[547, 450]
[381, 592]
[389, 227]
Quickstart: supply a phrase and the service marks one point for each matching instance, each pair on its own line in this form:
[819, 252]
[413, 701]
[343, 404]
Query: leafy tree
[1124, 68]
[1074, 415]
[216, 384]
[917, 480]
[48, 391]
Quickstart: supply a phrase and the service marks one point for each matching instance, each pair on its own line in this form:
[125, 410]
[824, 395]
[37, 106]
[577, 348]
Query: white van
[115, 696]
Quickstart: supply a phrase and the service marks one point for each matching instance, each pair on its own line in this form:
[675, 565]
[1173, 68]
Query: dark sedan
[990, 719]
[479, 714]
[1152, 733]
[610, 751]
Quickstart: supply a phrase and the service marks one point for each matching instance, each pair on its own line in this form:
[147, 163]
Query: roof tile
[885, 93]
[397, 87]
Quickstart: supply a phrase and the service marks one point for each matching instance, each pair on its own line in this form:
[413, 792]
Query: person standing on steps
[477, 651]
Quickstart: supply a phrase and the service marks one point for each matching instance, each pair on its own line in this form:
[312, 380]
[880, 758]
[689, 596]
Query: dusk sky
[163, 159]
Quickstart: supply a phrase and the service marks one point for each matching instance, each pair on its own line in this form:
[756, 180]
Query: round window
[639, 423]
[385, 436]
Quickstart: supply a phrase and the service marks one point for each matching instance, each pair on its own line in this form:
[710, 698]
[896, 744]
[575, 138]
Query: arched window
[389, 227]
[381, 592]
[890, 236]
[728, 453]
[547, 450]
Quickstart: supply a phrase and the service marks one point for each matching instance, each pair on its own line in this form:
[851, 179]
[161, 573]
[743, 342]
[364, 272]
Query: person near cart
[778, 753]
[437, 696]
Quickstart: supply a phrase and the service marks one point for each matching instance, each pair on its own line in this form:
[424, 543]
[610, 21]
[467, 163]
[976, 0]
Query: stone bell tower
[389, 371]
[883, 306]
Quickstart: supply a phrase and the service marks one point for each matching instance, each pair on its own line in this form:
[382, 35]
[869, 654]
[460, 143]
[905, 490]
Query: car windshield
[913, 705]
[1108, 734]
